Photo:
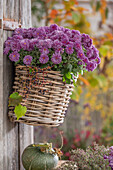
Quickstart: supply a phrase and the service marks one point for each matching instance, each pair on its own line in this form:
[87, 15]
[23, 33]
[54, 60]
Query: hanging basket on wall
[44, 94]
[47, 61]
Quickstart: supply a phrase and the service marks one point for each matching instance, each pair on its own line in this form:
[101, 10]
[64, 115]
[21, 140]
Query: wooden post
[14, 137]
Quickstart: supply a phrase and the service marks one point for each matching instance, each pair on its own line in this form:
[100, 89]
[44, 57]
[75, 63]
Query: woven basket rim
[23, 66]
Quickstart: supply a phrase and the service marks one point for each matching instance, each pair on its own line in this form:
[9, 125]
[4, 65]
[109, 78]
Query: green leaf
[68, 81]
[63, 79]
[20, 111]
[30, 70]
[68, 75]
[55, 66]
[98, 5]
[14, 95]
[76, 17]
[15, 99]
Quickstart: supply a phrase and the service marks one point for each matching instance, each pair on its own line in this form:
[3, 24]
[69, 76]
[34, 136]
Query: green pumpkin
[34, 159]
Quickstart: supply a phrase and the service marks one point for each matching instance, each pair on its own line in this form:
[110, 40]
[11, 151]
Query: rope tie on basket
[33, 79]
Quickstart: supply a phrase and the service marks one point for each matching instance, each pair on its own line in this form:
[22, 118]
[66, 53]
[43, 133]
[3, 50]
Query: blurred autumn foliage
[95, 88]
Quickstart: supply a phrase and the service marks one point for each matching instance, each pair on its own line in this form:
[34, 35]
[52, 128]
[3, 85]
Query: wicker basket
[46, 101]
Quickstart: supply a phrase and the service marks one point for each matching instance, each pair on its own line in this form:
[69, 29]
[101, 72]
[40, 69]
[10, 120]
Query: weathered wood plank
[25, 137]
[13, 137]
[10, 130]
[1, 87]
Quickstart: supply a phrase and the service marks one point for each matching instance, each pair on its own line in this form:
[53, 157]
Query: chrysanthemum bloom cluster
[63, 49]
[110, 157]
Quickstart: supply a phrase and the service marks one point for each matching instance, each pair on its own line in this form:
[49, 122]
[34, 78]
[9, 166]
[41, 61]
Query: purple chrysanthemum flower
[90, 66]
[111, 148]
[77, 38]
[44, 58]
[98, 60]
[6, 50]
[92, 58]
[88, 44]
[56, 58]
[60, 28]
[15, 45]
[70, 43]
[39, 33]
[56, 44]
[89, 53]
[14, 56]
[29, 33]
[68, 33]
[106, 157]
[48, 43]
[47, 29]
[78, 46]
[69, 49]
[40, 43]
[65, 41]
[10, 38]
[54, 37]
[75, 33]
[53, 27]
[18, 31]
[86, 41]
[27, 60]
[85, 60]
[59, 50]
[33, 43]
[44, 50]
[19, 37]
[8, 43]
[95, 51]
[80, 55]
[85, 38]
[25, 44]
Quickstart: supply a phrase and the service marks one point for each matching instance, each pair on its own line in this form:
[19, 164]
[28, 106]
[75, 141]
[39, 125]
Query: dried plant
[92, 158]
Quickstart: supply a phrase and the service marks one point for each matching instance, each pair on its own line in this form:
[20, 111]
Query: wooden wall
[14, 137]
